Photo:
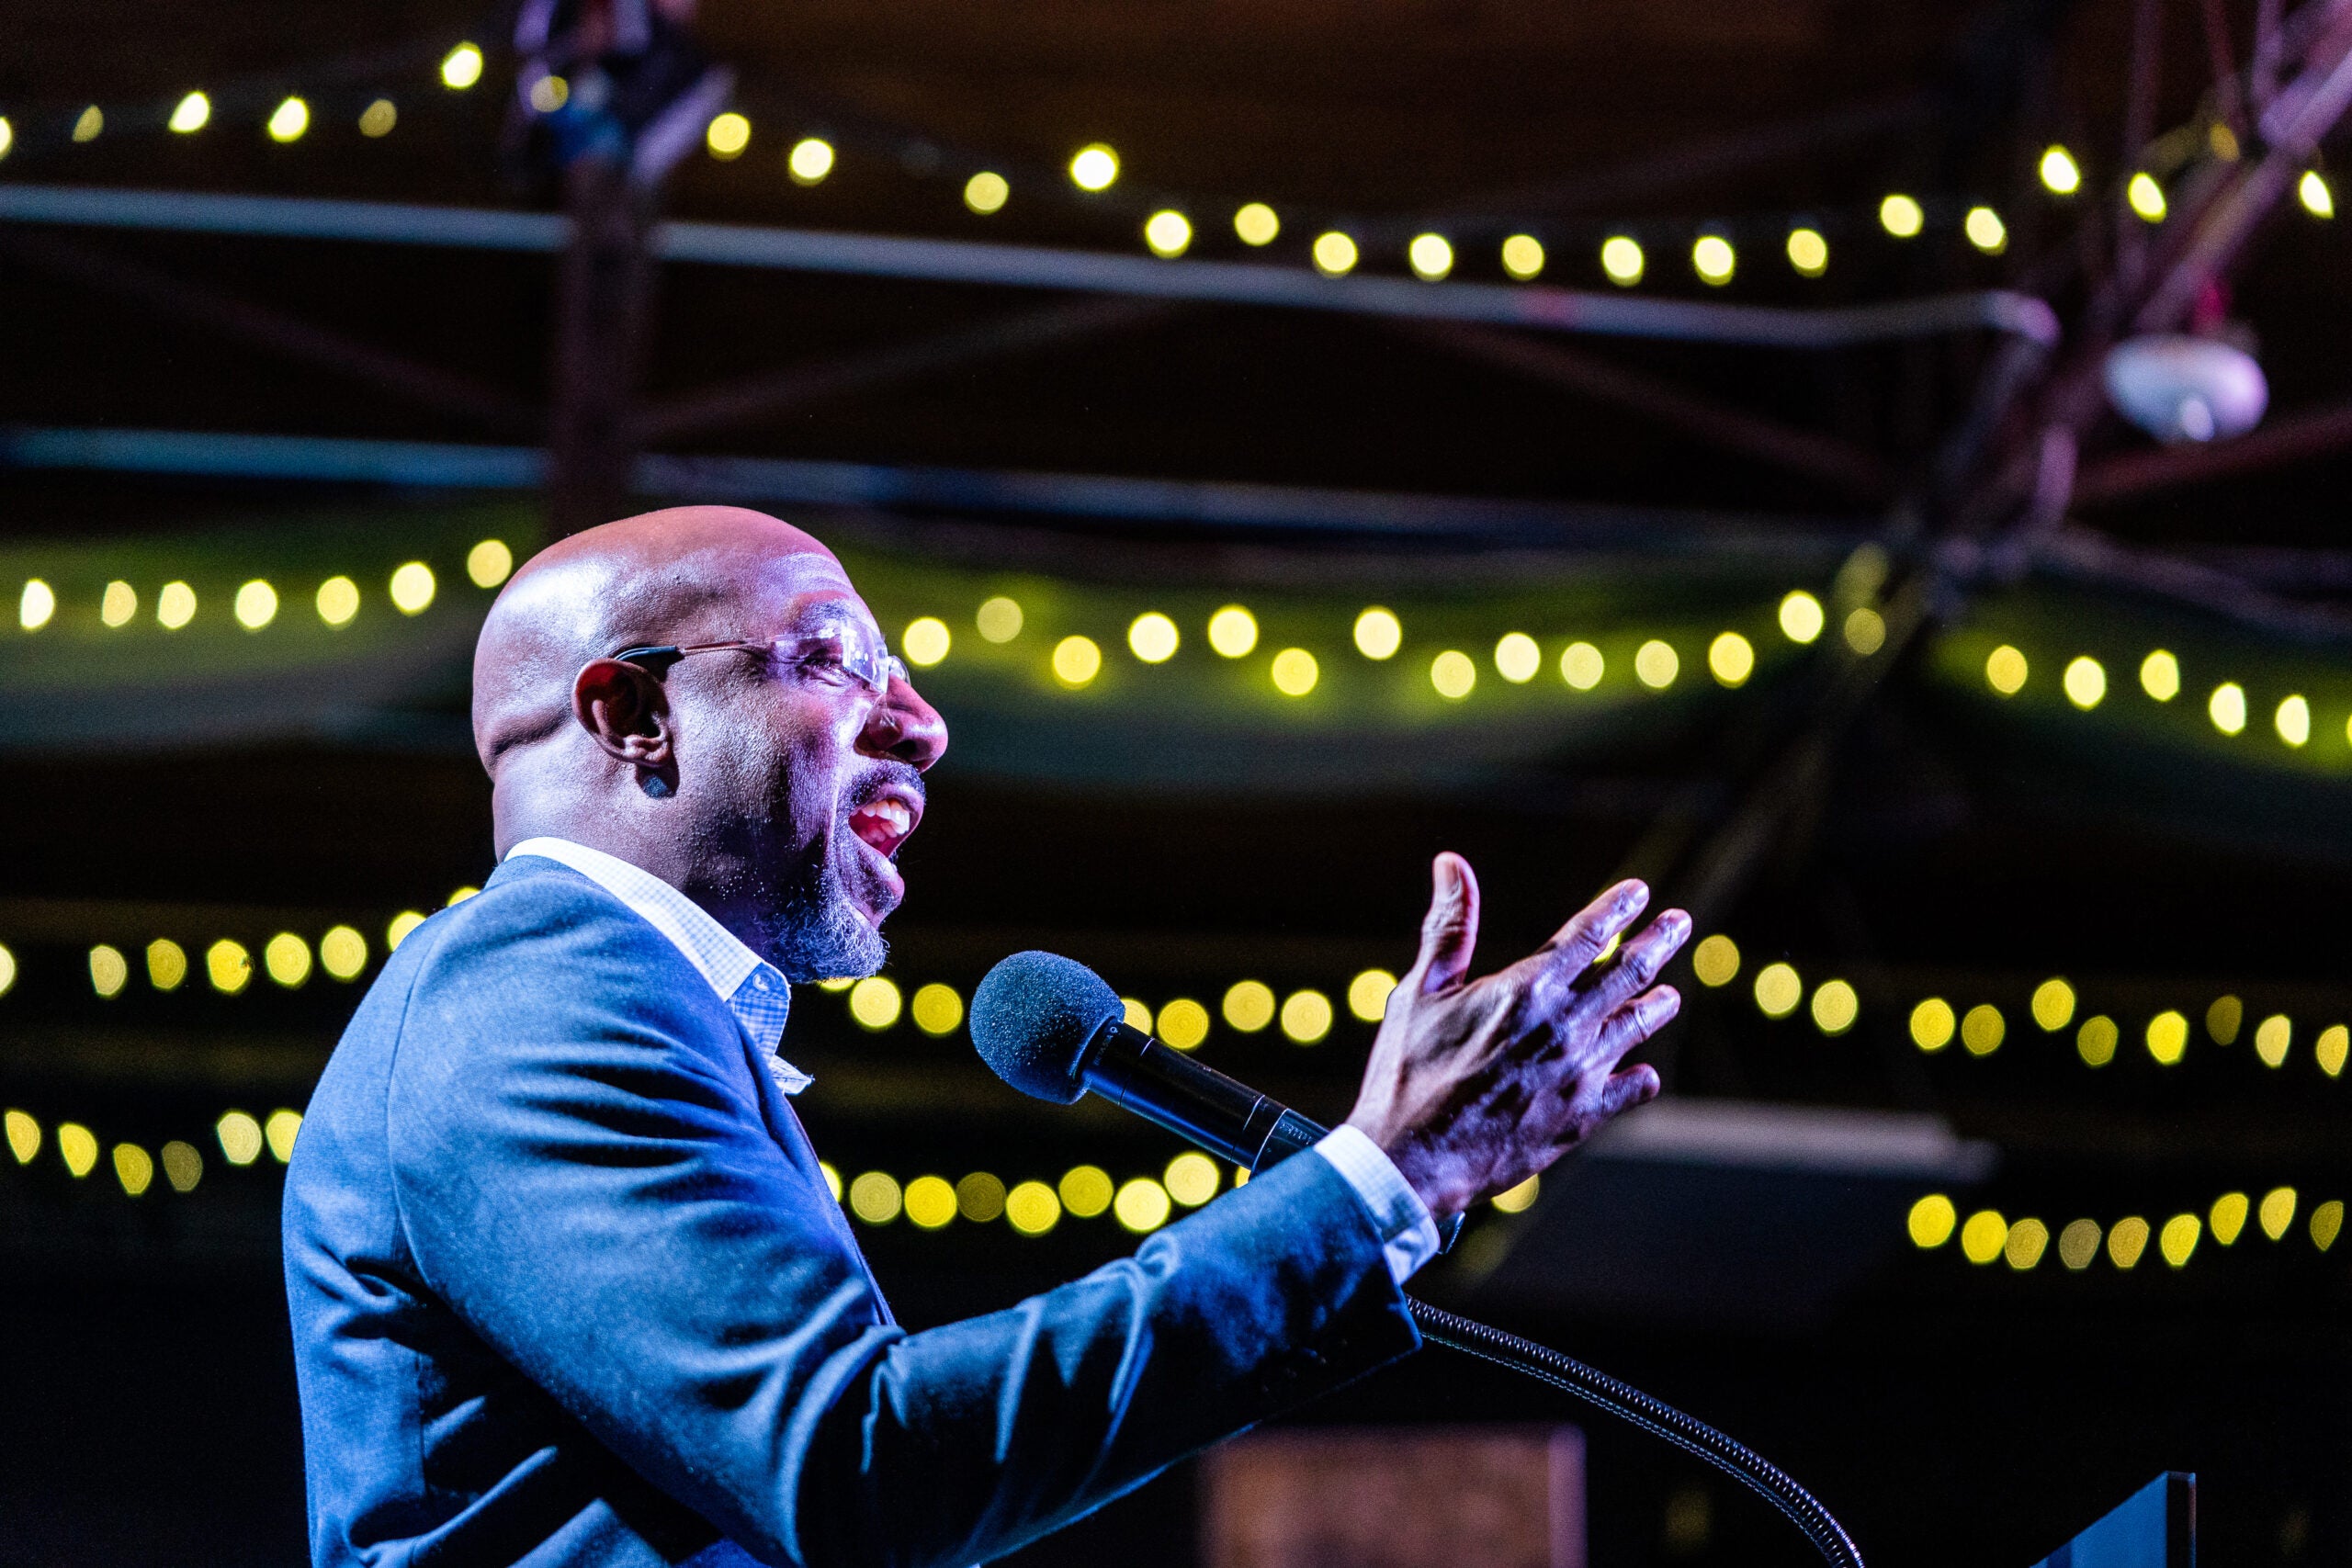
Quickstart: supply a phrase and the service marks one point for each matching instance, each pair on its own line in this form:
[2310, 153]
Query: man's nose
[902, 725]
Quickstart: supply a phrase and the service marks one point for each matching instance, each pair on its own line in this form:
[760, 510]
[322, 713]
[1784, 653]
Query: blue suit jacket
[568, 1288]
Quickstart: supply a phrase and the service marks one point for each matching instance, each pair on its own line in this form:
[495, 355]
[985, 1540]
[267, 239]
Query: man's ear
[626, 711]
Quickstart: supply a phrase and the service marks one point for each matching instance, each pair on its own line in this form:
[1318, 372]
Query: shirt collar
[752, 988]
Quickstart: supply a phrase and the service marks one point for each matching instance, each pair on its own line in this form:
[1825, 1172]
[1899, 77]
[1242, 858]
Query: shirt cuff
[1407, 1230]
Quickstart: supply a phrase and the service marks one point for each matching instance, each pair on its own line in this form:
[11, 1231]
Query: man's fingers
[1638, 962]
[1638, 1019]
[1449, 931]
[1635, 1086]
[1579, 942]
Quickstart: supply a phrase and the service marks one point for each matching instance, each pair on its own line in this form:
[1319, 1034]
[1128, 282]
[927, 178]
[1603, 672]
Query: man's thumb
[1449, 931]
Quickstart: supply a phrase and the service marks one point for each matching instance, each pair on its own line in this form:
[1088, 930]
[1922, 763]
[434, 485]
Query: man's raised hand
[1476, 1085]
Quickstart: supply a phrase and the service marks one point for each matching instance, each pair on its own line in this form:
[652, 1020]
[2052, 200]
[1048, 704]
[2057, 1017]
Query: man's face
[807, 780]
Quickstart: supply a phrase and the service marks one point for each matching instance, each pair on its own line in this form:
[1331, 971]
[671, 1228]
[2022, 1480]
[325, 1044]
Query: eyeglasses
[847, 650]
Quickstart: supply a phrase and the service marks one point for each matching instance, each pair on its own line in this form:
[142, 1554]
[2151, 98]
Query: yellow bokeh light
[2005, 670]
[999, 619]
[1294, 672]
[1136, 1013]
[7, 136]
[1430, 256]
[1093, 167]
[1778, 990]
[191, 114]
[1076, 661]
[727, 135]
[874, 1197]
[342, 953]
[925, 641]
[1984, 1237]
[1192, 1179]
[228, 965]
[1802, 617]
[1233, 632]
[2179, 1239]
[490, 563]
[1865, 631]
[1248, 1006]
[1731, 659]
[984, 193]
[377, 118]
[1141, 1205]
[2168, 1037]
[2097, 1041]
[280, 1132]
[1933, 1024]
[1900, 216]
[1168, 233]
[7, 969]
[1715, 960]
[2272, 1038]
[289, 121]
[459, 895]
[1032, 1209]
[2276, 1211]
[1519, 1199]
[118, 603]
[2053, 1005]
[2078, 1244]
[930, 1202]
[1454, 673]
[936, 1009]
[1379, 634]
[2228, 1217]
[2126, 1240]
[1712, 259]
[875, 1002]
[412, 587]
[2160, 676]
[1983, 1028]
[1183, 1024]
[1932, 1221]
[401, 924]
[2330, 1049]
[109, 970]
[2327, 1222]
[1985, 231]
[1581, 666]
[461, 67]
[287, 957]
[183, 1166]
[2226, 707]
[2146, 196]
[24, 1136]
[134, 1167]
[78, 1147]
[166, 963]
[255, 606]
[549, 94]
[2059, 174]
[1085, 1190]
[338, 601]
[1522, 256]
[1517, 658]
[1620, 260]
[1808, 252]
[2223, 1019]
[2293, 721]
[1307, 1016]
[1656, 664]
[1835, 1006]
[2313, 192]
[833, 1178]
[1335, 254]
[240, 1135]
[89, 124]
[175, 607]
[2027, 1240]
[1256, 223]
[2085, 680]
[1368, 995]
[811, 160]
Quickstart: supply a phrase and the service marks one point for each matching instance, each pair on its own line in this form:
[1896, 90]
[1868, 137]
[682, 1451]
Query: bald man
[567, 1284]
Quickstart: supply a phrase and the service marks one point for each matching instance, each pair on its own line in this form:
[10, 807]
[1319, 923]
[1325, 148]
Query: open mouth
[886, 822]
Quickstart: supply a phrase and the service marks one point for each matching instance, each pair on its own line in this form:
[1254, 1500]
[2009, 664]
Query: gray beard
[817, 934]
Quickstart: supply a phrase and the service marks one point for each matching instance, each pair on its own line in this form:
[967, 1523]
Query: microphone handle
[1196, 1102]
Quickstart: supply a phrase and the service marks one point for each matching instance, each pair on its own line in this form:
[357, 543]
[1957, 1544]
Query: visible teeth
[893, 814]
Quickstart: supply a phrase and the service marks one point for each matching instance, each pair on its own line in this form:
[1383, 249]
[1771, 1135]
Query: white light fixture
[2178, 388]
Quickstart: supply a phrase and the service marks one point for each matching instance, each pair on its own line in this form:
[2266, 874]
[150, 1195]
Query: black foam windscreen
[1032, 1019]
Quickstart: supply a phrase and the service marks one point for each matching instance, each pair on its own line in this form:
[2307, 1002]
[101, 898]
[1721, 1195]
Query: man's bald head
[682, 575]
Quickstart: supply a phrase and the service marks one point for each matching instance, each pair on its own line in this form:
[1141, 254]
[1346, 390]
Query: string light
[2146, 197]
[1517, 658]
[1808, 252]
[36, 605]
[290, 120]
[1093, 167]
[1620, 260]
[1378, 633]
[2059, 174]
[1168, 233]
[412, 587]
[1256, 225]
[377, 118]
[1335, 254]
[255, 606]
[190, 114]
[1712, 259]
[811, 160]
[1153, 638]
[1294, 672]
[987, 192]
[2160, 676]
[1430, 257]
[1985, 231]
[1900, 216]
[2313, 192]
[1522, 256]
[727, 135]
[1801, 617]
[461, 67]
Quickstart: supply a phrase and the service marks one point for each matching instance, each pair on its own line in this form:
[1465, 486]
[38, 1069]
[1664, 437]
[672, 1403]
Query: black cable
[1654, 1417]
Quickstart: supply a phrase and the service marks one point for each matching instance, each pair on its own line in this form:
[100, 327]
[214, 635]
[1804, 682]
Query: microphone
[1052, 1028]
